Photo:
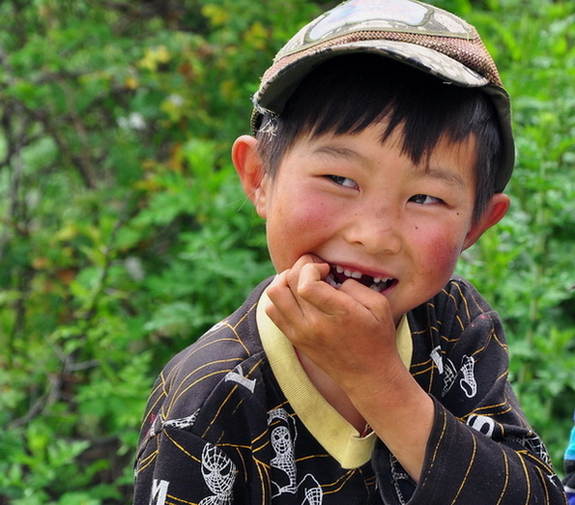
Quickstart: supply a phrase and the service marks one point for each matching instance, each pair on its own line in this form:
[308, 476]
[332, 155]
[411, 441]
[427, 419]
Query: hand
[348, 332]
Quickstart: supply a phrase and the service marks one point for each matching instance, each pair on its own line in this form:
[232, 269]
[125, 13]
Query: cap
[421, 35]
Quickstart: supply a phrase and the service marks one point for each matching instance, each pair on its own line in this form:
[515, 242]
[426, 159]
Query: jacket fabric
[219, 430]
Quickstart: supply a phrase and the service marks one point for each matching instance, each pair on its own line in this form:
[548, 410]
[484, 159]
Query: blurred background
[124, 233]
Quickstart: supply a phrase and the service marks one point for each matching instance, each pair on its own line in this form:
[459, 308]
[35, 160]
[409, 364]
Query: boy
[364, 372]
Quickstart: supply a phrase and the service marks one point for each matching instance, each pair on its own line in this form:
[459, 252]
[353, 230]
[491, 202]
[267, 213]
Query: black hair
[346, 94]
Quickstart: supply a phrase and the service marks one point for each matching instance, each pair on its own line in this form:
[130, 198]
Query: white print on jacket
[159, 492]
[219, 474]
[237, 375]
[182, 423]
[468, 383]
[446, 368]
[531, 442]
[283, 438]
[534, 445]
[482, 424]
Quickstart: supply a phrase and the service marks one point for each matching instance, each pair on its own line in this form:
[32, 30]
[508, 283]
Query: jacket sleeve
[481, 449]
[203, 412]
[196, 440]
[196, 444]
[478, 467]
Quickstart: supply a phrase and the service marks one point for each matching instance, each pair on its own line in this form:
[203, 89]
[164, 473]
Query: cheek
[441, 253]
[446, 255]
[296, 228]
[306, 217]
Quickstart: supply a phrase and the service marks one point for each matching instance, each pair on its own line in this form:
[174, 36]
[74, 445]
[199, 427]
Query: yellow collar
[339, 438]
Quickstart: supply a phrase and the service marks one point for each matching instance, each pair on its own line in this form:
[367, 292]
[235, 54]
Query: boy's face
[364, 208]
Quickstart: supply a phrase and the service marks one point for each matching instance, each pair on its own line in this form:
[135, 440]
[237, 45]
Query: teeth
[348, 273]
[332, 282]
[379, 283]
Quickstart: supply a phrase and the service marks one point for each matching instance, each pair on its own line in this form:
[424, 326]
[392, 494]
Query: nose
[377, 232]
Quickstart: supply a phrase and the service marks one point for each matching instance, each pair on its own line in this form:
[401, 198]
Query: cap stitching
[470, 52]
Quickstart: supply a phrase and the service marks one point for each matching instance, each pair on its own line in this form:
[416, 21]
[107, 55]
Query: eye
[343, 181]
[425, 199]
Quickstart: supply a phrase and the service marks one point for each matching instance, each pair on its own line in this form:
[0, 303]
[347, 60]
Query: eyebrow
[341, 152]
[444, 174]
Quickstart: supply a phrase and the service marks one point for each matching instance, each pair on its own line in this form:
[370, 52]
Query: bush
[125, 233]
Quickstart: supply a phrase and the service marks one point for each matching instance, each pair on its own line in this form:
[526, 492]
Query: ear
[250, 169]
[496, 209]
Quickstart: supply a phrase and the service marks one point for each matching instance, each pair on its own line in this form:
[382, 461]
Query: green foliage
[124, 233]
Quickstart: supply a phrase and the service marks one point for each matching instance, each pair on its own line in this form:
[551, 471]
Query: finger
[311, 273]
[311, 258]
[282, 300]
[314, 291]
[277, 316]
[314, 262]
[373, 301]
[279, 289]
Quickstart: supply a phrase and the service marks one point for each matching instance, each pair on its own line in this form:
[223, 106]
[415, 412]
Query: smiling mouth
[338, 275]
